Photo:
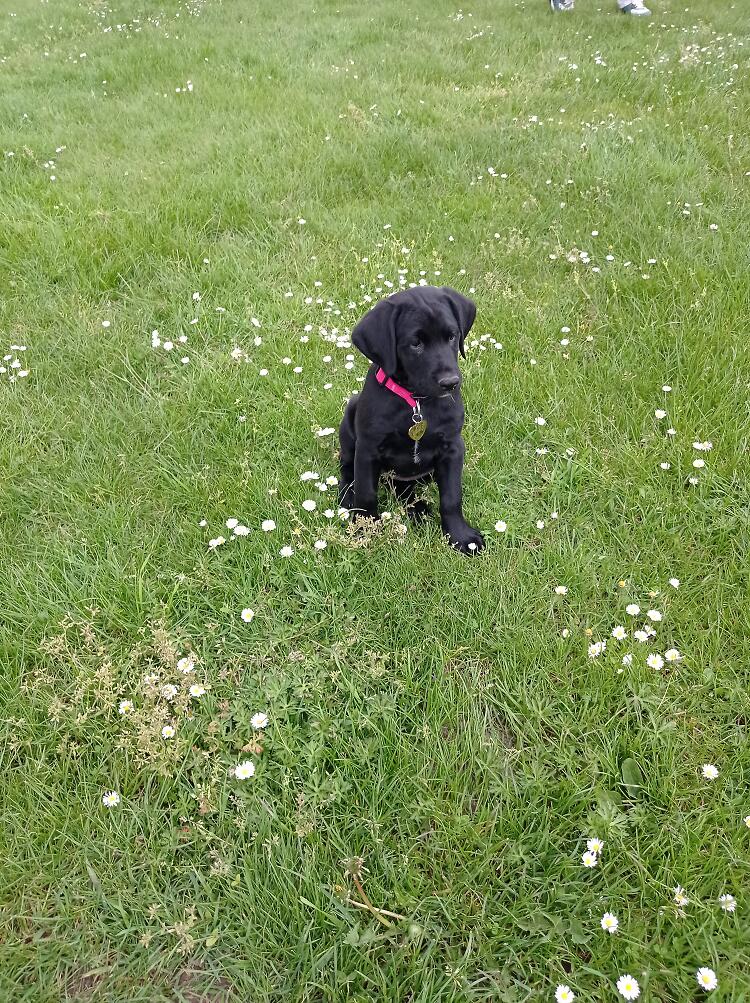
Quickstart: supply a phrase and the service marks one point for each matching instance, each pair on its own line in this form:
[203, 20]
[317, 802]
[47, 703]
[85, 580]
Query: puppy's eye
[452, 339]
[416, 343]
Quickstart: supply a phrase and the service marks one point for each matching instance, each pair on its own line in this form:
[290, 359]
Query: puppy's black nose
[449, 382]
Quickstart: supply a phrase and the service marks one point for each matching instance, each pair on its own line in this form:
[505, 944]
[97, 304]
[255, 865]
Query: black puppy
[409, 415]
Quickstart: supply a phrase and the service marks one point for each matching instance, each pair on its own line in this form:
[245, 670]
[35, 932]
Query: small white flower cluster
[239, 529]
[12, 367]
[594, 847]
[701, 446]
[169, 346]
[726, 901]
[246, 769]
[626, 985]
[167, 691]
[643, 634]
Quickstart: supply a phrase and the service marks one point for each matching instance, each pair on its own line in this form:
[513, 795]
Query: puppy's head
[416, 335]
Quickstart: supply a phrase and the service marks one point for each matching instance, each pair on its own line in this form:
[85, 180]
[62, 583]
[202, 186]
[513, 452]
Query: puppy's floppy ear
[375, 335]
[464, 310]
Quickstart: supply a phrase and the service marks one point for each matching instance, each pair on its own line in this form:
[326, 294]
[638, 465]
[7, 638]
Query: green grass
[427, 714]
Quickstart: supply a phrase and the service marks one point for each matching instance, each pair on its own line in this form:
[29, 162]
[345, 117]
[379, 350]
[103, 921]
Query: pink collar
[396, 388]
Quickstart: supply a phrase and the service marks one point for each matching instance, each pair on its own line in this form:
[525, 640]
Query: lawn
[434, 738]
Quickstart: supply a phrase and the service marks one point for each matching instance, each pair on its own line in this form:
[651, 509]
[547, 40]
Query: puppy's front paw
[466, 540]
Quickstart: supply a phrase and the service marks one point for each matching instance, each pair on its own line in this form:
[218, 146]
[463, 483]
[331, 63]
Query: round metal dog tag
[417, 430]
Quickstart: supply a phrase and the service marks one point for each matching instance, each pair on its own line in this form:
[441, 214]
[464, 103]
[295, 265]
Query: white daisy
[632, 609]
[564, 994]
[309, 505]
[709, 771]
[674, 582]
[247, 614]
[610, 922]
[654, 614]
[655, 661]
[627, 659]
[167, 731]
[267, 525]
[561, 590]
[286, 552]
[660, 414]
[196, 690]
[216, 542]
[680, 897]
[185, 665]
[707, 979]
[540, 421]
[125, 707]
[628, 987]
[501, 526]
[231, 523]
[169, 692]
[640, 635]
[259, 720]
[728, 902]
[619, 633]
[110, 799]
[672, 655]
[320, 544]
[589, 859]
[595, 844]
[244, 770]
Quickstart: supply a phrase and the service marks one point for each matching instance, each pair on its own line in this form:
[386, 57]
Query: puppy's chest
[407, 456]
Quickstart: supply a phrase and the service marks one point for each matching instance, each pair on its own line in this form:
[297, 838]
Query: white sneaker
[635, 7]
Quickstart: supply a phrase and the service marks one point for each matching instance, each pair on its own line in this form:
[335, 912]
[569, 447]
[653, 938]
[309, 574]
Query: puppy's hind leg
[348, 442]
